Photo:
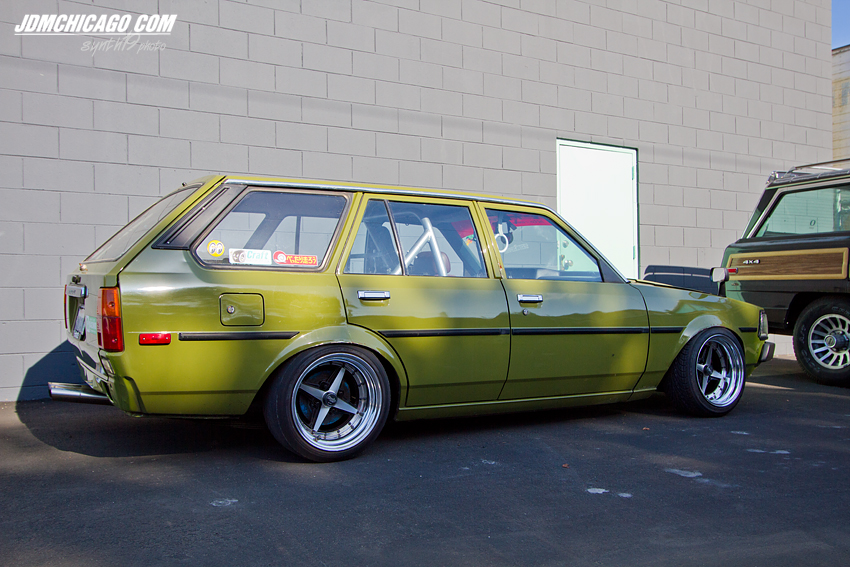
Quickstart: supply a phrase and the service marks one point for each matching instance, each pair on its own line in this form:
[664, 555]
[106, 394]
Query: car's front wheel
[707, 378]
[329, 403]
[822, 340]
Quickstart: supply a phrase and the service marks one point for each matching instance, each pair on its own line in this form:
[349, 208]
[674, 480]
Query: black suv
[792, 260]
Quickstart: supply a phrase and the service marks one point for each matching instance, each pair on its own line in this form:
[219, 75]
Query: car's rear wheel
[329, 403]
[822, 340]
[707, 378]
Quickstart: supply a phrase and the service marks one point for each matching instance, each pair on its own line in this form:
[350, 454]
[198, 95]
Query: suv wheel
[822, 340]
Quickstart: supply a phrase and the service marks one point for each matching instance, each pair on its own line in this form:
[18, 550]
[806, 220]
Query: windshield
[125, 238]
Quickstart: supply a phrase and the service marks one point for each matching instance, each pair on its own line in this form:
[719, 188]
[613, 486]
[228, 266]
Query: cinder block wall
[458, 94]
[841, 103]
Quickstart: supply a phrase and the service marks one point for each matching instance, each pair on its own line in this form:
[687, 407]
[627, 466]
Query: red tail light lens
[110, 335]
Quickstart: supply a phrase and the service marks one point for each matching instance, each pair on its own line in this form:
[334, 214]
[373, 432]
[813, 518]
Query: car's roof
[373, 188]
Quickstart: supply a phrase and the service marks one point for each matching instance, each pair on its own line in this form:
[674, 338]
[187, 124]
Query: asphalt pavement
[628, 484]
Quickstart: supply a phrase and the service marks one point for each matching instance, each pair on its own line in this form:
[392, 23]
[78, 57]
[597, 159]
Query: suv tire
[822, 340]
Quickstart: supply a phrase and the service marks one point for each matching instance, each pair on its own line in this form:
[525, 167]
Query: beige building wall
[841, 102]
[455, 94]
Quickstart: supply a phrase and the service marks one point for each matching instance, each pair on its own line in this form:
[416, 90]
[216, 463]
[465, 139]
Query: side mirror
[719, 275]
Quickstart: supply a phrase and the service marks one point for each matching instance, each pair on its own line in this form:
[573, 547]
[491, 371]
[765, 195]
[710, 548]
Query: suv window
[275, 228]
[534, 248]
[809, 212]
[425, 232]
[125, 238]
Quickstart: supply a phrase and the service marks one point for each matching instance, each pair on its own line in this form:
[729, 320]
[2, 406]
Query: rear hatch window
[125, 238]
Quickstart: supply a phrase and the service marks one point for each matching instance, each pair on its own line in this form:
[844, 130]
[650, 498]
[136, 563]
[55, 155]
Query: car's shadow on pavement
[103, 431]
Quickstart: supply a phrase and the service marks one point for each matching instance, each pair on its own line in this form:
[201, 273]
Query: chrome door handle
[529, 298]
[373, 295]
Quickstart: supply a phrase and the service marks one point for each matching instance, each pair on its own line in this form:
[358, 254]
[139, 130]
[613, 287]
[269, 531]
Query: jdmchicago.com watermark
[132, 28]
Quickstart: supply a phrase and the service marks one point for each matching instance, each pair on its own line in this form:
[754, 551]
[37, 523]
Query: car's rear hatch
[92, 295]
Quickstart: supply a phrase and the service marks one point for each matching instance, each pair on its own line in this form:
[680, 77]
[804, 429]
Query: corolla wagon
[334, 307]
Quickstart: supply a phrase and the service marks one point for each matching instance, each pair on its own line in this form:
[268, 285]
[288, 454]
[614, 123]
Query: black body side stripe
[237, 336]
[581, 331]
[444, 333]
[748, 329]
[666, 329]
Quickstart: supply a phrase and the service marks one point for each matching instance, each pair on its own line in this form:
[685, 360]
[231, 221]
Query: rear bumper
[766, 352]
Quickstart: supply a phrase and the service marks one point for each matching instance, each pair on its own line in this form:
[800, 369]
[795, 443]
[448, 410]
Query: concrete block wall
[841, 103]
[456, 94]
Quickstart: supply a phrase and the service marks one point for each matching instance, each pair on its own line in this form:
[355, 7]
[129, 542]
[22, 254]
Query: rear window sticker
[215, 248]
[250, 257]
[283, 259]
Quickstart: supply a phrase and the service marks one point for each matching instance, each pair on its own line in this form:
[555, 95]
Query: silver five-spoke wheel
[338, 402]
[329, 403]
[707, 378]
[720, 370]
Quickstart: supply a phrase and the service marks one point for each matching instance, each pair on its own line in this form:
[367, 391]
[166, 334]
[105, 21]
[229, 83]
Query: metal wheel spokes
[828, 341]
[720, 371]
[336, 402]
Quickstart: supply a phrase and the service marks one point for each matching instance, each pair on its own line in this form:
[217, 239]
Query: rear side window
[436, 240]
[125, 238]
[276, 229]
[809, 212]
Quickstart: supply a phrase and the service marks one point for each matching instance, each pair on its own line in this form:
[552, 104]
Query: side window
[437, 240]
[374, 250]
[275, 228]
[809, 212]
[535, 248]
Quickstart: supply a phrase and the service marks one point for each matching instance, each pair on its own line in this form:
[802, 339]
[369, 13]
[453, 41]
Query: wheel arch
[691, 332]
[345, 335]
[799, 302]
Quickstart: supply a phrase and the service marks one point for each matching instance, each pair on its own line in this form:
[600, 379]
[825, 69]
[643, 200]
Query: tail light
[110, 335]
[65, 305]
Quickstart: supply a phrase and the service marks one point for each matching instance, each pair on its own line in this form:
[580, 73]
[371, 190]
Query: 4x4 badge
[746, 262]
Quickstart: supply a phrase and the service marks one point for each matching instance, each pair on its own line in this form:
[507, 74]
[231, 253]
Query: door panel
[452, 334]
[582, 338]
[433, 301]
[572, 333]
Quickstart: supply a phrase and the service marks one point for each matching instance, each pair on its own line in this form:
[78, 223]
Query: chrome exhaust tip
[79, 393]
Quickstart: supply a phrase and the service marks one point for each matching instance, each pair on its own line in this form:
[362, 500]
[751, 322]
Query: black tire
[822, 340]
[707, 378]
[343, 386]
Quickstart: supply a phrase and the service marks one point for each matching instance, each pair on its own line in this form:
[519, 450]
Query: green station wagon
[334, 307]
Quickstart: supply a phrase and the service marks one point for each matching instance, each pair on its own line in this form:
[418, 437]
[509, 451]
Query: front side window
[434, 240]
[276, 229]
[535, 248]
[809, 212]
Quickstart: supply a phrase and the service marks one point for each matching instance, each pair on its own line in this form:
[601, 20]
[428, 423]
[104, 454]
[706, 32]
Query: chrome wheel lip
[821, 340]
[362, 423]
[720, 370]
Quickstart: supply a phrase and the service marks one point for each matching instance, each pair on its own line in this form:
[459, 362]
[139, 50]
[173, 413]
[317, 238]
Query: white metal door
[597, 194]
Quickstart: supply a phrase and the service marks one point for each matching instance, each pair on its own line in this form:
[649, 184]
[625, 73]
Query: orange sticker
[283, 259]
